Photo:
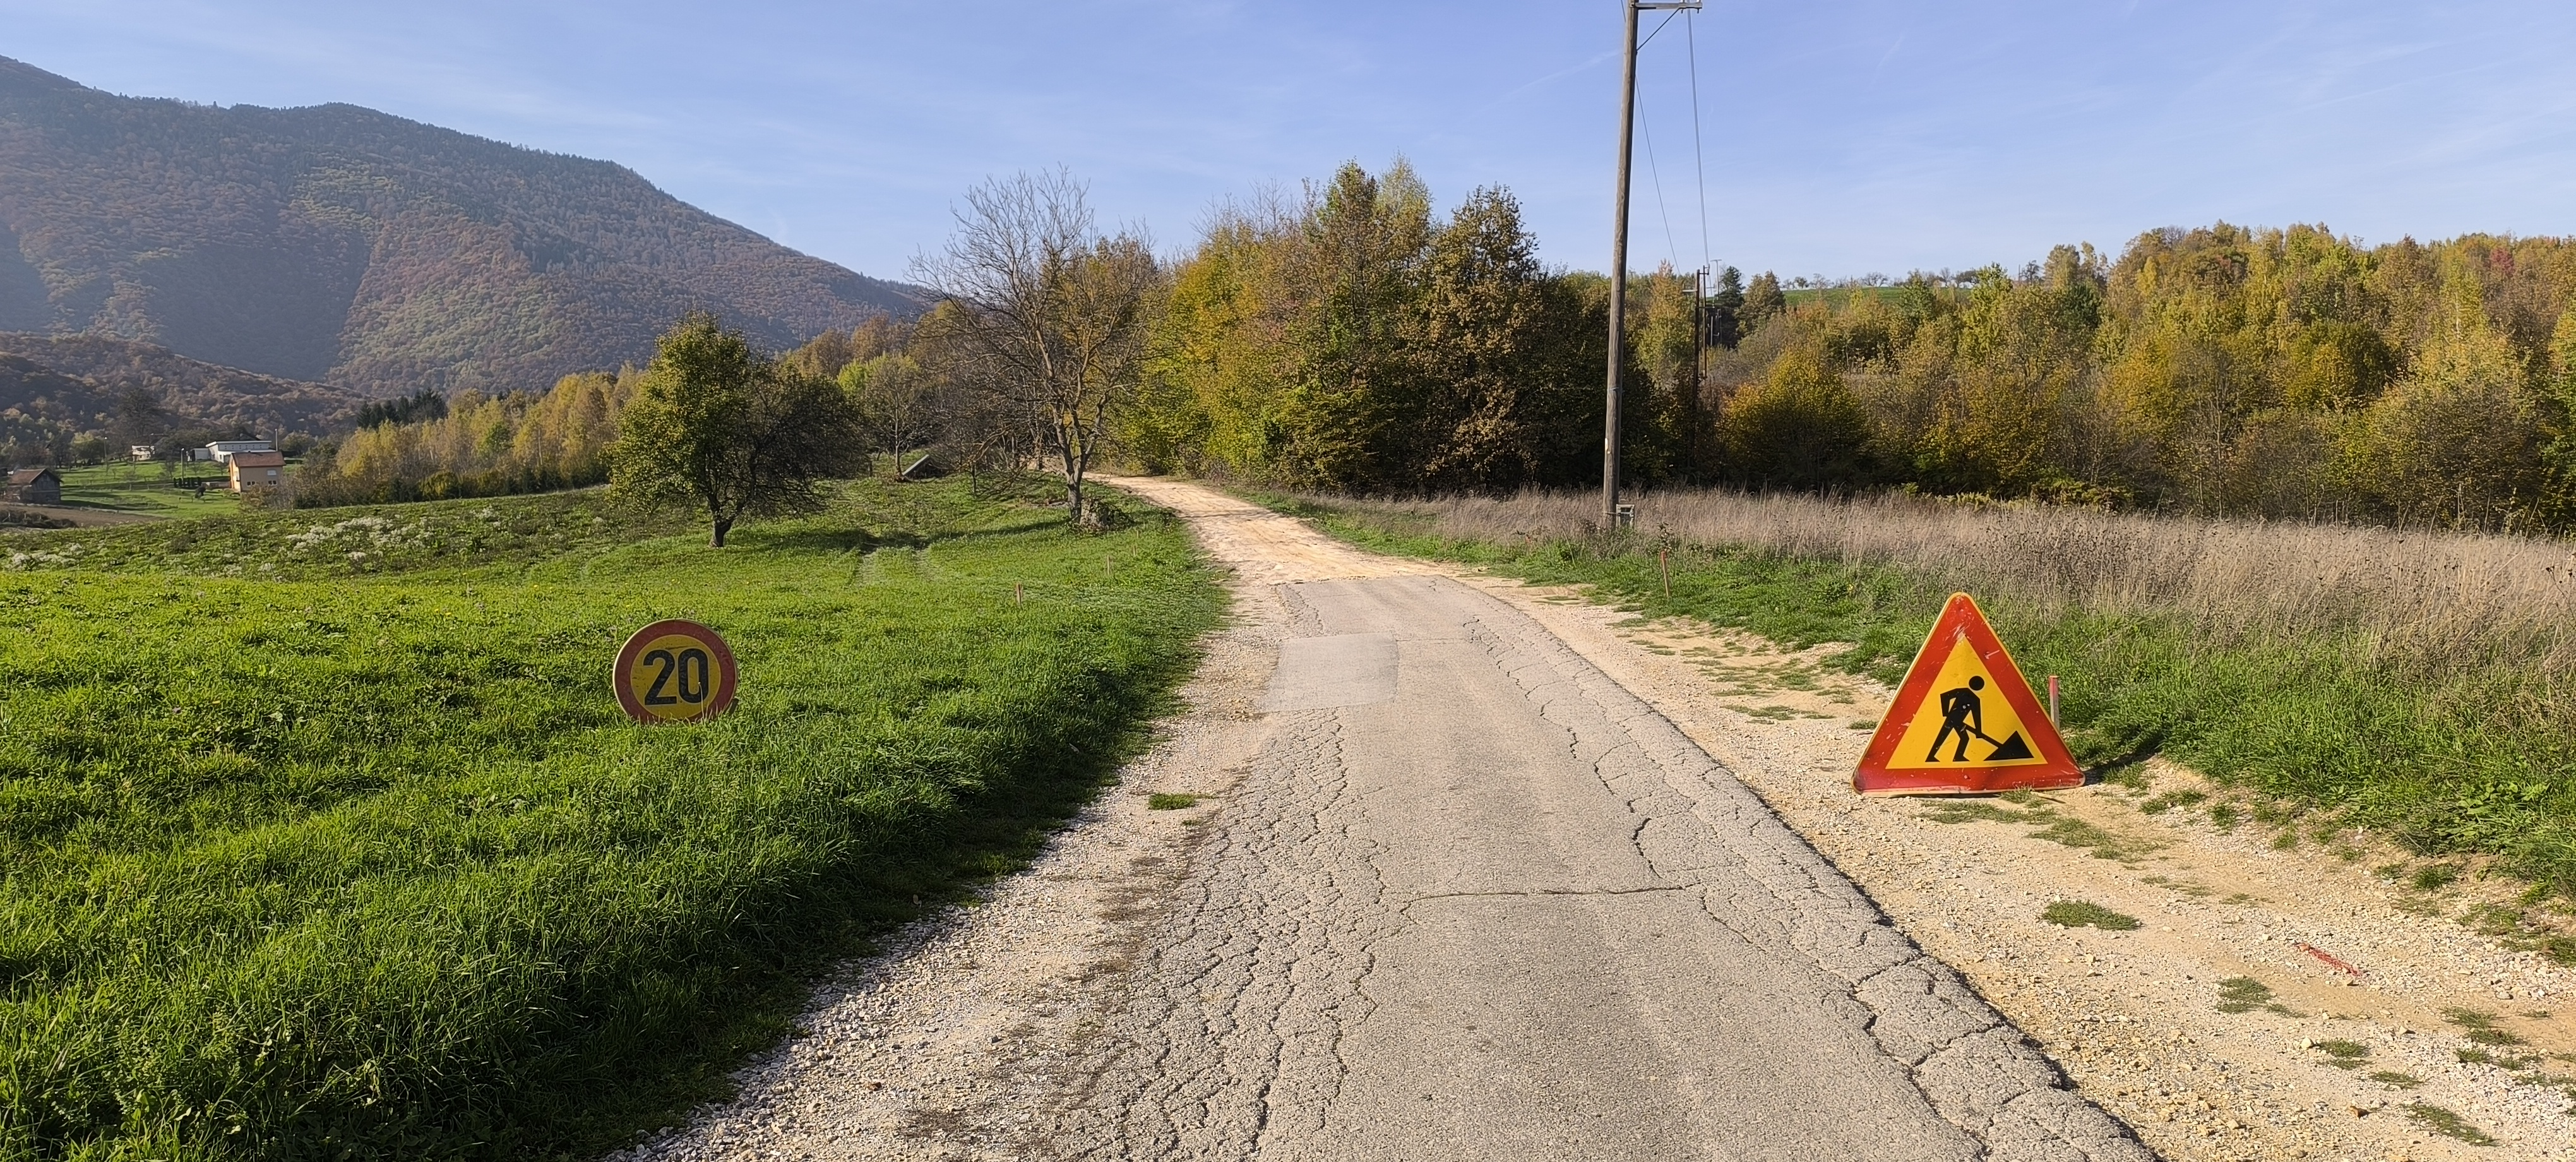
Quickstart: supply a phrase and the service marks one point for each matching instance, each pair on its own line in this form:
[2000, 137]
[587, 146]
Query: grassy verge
[325, 838]
[2471, 760]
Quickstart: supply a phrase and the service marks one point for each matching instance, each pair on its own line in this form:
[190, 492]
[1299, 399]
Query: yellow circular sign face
[674, 671]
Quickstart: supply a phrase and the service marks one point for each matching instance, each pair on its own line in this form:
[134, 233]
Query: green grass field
[325, 837]
[2468, 762]
[146, 488]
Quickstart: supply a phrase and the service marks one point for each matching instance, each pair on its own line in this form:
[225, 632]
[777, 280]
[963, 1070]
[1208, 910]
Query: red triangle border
[1962, 619]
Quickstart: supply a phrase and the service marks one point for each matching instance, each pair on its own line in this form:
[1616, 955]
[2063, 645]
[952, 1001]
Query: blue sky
[1866, 136]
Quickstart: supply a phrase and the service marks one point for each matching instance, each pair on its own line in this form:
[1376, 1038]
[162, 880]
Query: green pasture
[147, 488]
[324, 836]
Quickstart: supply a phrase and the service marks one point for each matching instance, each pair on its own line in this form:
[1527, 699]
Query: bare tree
[1052, 314]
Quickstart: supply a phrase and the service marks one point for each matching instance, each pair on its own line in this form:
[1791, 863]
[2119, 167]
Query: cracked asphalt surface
[1455, 893]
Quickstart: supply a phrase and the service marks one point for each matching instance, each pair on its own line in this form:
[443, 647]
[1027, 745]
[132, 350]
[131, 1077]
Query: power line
[1647, 124]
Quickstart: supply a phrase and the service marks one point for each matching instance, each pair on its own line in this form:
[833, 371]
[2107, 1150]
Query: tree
[141, 417]
[2559, 454]
[823, 356]
[898, 403]
[1762, 301]
[1504, 380]
[426, 404]
[2021, 357]
[2455, 441]
[1220, 350]
[1353, 270]
[89, 448]
[1053, 315]
[475, 446]
[1799, 427]
[1477, 310]
[1725, 307]
[716, 426]
[880, 335]
[1664, 417]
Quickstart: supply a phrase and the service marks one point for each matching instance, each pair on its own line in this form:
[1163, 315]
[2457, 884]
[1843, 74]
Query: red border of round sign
[726, 676]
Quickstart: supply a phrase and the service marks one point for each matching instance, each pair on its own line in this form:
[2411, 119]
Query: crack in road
[1543, 893]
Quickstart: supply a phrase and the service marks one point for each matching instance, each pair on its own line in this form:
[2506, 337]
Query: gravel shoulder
[962, 1035]
[2330, 1064]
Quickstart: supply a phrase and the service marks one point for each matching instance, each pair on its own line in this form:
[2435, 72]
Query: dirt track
[82, 517]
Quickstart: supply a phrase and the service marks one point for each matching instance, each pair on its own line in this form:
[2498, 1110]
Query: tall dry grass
[2429, 602]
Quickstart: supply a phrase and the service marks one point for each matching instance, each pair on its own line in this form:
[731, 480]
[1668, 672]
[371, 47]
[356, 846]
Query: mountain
[79, 383]
[339, 244]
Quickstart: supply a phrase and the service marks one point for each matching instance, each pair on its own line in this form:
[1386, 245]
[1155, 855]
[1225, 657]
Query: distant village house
[223, 451]
[33, 486]
[255, 469]
[142, 453]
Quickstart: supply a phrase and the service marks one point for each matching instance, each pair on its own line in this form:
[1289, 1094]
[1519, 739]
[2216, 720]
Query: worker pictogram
[1964, 721]
[674, 671]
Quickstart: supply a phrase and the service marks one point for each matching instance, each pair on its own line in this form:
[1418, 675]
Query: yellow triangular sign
[1964, 721]
[1972, 723]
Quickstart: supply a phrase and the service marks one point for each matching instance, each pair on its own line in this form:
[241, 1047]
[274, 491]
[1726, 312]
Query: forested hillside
[54, 388]
[1354, 340]
[341, 244]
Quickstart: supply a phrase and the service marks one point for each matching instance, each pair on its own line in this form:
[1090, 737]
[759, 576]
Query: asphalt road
[1451, 893]
[1471, 899]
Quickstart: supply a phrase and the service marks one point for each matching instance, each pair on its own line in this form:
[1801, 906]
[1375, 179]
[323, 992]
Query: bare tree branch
[1053, 315]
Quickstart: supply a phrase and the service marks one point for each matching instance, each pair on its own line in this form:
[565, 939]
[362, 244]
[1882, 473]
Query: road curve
[1459, 896]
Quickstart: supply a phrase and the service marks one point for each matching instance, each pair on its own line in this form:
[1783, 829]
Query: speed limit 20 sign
[674, 671]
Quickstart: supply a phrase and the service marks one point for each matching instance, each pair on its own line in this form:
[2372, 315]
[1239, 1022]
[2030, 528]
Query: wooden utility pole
[1619, 257]
[1699, 331]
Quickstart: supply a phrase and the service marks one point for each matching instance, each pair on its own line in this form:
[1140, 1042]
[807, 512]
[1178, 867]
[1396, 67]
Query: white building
[222, 451]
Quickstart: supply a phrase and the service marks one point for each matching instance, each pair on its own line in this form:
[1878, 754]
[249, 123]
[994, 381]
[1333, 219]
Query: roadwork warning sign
[1964, 721]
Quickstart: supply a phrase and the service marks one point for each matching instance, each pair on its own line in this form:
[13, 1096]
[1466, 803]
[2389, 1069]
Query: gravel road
[1450, 891]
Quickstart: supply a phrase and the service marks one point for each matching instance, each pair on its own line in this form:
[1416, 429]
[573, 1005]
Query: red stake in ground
[1964, 721]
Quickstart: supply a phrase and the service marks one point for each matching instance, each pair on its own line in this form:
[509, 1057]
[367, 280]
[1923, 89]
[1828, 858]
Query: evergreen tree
[1725, 310]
